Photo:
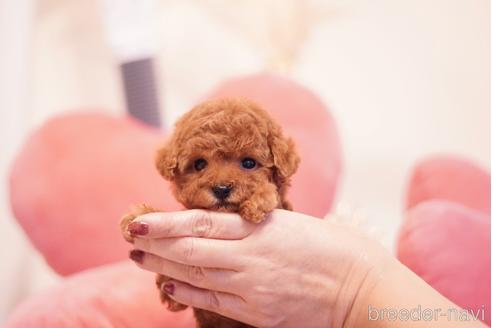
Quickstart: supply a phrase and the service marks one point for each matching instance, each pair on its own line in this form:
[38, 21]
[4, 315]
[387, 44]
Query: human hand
[292, 270]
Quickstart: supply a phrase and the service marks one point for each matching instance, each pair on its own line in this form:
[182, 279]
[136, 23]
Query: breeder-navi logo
[425, 314]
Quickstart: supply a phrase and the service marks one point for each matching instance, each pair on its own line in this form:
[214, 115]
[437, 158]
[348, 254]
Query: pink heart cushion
[306, 119]
[73, 180]
[117, 295]
[450, 178]
[448, 245]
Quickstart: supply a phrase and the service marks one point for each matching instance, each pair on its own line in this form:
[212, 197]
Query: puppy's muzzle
[221, 192]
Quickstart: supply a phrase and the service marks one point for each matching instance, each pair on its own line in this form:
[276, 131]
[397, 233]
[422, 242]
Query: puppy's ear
[285, 157]
[166, 161]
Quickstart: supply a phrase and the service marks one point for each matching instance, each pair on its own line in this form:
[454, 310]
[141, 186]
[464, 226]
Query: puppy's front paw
[251, 212]
[128, 218]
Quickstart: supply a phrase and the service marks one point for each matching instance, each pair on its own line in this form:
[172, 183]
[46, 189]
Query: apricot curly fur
[223, 132]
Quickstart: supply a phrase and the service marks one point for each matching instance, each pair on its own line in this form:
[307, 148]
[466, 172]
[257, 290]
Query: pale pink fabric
[448, 245]
[75, 177]
[451, 178]
[445, 237]
[116, 295]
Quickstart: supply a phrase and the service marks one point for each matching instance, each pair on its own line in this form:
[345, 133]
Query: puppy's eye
[200, 164]
[248, 163]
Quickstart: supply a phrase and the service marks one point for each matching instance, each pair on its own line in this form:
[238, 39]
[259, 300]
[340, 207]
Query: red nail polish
[168, 288]
[138, 228]
[137, 255]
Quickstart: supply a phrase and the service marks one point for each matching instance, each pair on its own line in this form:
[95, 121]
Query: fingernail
[168, 288]
[137, 255]
[138, 228]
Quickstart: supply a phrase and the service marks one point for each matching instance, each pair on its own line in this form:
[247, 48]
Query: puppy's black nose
[221, 192]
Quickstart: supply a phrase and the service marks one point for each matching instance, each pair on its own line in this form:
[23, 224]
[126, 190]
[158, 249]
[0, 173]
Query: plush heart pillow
[448, 245]
[451, 178]
[78, 174]
[75, 177]
[445, 237]
[116, 295]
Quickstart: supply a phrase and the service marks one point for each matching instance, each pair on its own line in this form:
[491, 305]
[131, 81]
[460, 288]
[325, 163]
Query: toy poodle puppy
[225, 155]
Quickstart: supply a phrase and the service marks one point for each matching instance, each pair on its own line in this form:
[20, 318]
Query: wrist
[370, 271]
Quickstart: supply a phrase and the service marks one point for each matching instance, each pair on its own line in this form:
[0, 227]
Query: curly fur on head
[224, 155]
[222, 133]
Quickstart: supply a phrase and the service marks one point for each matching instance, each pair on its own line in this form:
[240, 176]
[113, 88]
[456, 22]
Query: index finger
[191, 223]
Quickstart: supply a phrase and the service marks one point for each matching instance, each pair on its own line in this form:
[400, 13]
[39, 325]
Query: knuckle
[188, 249]
[213, 301]
[196, 274]
[266, 296]
[201, 223]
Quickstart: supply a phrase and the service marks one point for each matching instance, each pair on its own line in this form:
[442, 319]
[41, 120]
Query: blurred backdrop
[403, 79]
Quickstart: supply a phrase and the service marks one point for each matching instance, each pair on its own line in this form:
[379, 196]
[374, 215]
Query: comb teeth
[140, 91]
